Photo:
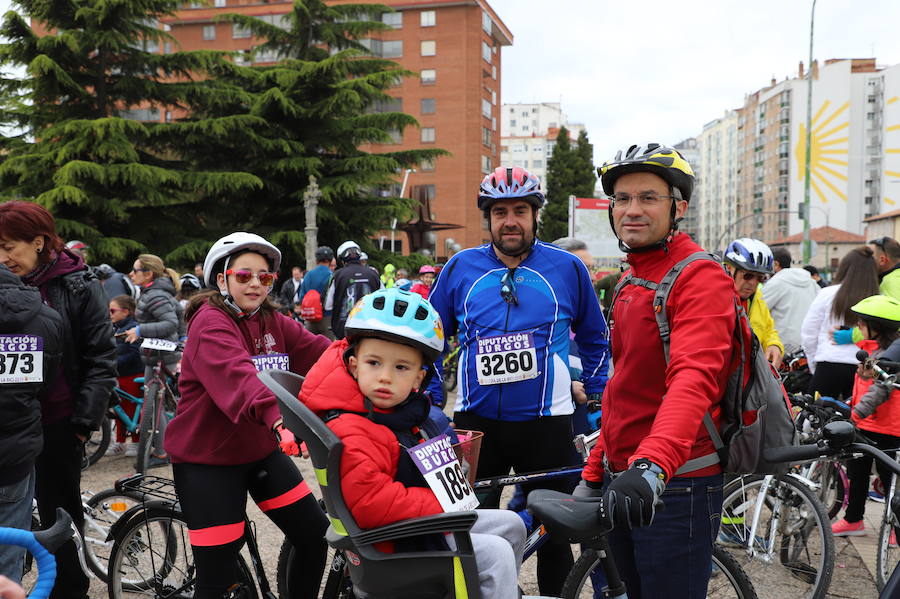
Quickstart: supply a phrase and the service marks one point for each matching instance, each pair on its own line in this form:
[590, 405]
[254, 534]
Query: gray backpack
[755, 415]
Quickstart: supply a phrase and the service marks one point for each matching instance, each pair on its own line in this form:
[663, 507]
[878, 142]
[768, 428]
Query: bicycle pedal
[802, 571]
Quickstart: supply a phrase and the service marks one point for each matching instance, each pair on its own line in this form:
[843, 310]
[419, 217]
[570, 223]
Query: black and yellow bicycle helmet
[654, 158]
[879, 308]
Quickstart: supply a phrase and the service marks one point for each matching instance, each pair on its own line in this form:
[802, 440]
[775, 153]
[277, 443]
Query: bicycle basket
[468, 449]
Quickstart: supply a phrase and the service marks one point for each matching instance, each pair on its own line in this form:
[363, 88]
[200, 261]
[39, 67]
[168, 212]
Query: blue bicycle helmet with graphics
[398, 316]
[750, 254]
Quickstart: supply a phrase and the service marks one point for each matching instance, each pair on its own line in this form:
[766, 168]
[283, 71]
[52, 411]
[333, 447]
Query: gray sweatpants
[498, 538]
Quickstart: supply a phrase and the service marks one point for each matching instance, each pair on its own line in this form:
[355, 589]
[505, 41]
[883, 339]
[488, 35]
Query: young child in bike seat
[366, 388]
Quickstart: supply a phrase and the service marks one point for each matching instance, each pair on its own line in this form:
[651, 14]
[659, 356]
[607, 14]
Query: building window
[387, 105]
[392, 49]
[486, 21]
[427, 135]
[494, 72]
[167, 48]
[239, 32]
[512, 122]
[428, 106]
[486, 136]
[429, 76]
[394, 19]
[423, 192]
[428, 18]
[427, 164]
[485, 164]
[486, 108]
[396, 136]
[537, 163]
[485, 51]
[429, 48]
[209, 32]
[493, 97]
[219, 3]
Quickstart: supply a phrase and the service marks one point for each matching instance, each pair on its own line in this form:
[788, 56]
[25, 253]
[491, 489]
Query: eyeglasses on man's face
[647, 200]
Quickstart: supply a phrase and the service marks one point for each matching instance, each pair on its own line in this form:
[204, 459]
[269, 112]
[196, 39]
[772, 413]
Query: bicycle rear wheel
[152, 557]
[728, 580]
[792, 549]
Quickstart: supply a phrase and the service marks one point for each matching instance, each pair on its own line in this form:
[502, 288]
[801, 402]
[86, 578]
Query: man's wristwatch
[594, 398]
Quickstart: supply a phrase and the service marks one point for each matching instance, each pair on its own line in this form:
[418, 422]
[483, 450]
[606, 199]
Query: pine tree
[570, 171]
[116, 183]
[320, 104]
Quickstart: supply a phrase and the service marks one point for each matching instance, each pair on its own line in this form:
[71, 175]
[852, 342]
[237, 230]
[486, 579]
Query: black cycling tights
[213, 500]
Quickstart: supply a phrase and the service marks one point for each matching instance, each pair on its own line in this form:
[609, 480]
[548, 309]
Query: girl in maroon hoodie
[223, 440]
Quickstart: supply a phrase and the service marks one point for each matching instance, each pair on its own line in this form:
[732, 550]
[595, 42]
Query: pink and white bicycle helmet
[510, 183]
[427, 268]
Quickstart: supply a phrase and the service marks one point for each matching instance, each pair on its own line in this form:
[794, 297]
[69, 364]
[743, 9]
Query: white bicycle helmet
[233, 244]
[750, 254]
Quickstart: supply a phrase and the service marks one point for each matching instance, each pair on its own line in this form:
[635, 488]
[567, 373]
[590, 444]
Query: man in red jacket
[653, 408]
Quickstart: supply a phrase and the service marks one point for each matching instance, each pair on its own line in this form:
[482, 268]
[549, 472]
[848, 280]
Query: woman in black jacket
[74, 404]
[31, 343]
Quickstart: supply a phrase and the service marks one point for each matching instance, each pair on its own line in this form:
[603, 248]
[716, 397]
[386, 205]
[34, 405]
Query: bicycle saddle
[62, 530]
[575, 518]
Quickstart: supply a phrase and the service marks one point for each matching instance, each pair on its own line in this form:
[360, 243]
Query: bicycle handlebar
[824, 449]
[41, 545]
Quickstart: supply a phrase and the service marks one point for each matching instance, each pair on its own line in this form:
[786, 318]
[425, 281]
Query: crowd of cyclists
[542, 347]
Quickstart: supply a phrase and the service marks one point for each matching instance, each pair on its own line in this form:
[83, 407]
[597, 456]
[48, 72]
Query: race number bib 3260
[21, 359]
[437, 462]
[506, 358]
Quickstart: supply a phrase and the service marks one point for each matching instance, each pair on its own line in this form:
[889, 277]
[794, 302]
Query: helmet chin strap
[229, 300]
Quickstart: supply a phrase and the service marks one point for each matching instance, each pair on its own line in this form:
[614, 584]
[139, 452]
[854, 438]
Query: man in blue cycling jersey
[511, 303]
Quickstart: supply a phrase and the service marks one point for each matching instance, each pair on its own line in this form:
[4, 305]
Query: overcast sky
[634, 72]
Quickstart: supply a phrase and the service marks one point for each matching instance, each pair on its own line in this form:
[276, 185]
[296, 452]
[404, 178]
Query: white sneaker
[130, 449]
[115, 449]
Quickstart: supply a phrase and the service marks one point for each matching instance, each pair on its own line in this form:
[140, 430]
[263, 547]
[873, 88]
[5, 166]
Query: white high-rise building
[715, 193]
[528, 134]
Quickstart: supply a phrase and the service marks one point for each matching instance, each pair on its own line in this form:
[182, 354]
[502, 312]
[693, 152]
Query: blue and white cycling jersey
[554, 294]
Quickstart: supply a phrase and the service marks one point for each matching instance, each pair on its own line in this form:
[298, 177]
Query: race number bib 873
[21, 359]
[437, 462]
[506, 358]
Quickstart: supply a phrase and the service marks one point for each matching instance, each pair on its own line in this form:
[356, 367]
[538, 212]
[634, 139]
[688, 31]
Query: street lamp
[310, 203]
[806, 181]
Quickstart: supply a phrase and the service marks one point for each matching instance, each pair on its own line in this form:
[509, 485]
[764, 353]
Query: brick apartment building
[455, 48]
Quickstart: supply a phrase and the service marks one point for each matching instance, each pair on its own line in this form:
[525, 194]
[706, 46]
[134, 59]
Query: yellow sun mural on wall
[829, 149]
[892, 151]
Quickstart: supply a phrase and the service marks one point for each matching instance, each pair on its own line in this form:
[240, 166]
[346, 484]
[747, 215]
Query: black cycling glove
[631, 498]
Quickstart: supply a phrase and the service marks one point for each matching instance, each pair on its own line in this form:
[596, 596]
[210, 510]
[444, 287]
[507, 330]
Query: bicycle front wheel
[887, 554]
[791, 554]
[727, 580]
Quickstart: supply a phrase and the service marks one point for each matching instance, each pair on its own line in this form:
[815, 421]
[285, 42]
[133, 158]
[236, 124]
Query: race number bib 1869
[271, 362]
[506, 358]
[21, 359]
[437, 462]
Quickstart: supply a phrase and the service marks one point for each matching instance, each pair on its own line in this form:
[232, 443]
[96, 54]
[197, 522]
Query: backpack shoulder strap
[627, 279]
[664, 288]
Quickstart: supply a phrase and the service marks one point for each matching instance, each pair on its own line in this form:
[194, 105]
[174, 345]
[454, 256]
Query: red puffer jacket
[652, 409]
[371, 451]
